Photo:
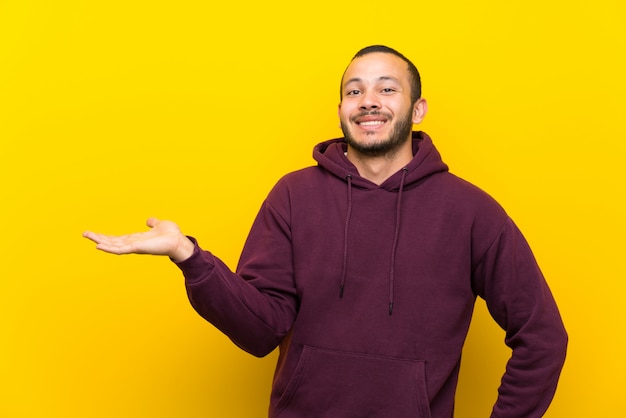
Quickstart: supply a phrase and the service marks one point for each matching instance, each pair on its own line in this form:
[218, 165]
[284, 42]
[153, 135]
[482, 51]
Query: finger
[110, 241]
[152, 222]
[107, 243]
[92, 236]
[115, 249]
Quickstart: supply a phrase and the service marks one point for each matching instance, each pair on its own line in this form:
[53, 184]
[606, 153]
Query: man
[364, 270]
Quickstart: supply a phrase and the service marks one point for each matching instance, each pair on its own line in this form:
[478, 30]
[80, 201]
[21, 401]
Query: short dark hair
[414, 75]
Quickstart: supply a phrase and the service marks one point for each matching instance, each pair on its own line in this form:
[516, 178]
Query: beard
[400, 133]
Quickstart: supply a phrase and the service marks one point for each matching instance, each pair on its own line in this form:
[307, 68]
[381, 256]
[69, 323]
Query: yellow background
[111, 112]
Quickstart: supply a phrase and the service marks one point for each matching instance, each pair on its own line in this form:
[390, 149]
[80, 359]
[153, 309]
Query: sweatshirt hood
[331, 155]
[426, 161]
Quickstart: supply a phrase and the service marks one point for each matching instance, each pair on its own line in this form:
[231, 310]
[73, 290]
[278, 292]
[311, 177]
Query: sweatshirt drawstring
[345, 237]
[395, 240]
[394, 245]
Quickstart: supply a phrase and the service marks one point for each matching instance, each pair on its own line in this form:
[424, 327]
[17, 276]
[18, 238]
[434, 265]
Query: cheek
[402, 109]
[344, 112]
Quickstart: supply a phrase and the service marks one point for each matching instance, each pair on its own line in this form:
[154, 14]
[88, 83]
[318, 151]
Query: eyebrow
[382, 78]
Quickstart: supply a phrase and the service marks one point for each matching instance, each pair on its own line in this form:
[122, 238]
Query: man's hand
[164, 238]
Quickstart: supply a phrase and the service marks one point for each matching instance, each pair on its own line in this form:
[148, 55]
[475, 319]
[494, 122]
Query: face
[376, 112]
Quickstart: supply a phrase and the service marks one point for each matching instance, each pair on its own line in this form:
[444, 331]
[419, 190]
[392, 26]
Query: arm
[256, 306]
[520, 301]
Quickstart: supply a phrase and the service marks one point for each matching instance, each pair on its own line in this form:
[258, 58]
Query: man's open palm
[164, 238]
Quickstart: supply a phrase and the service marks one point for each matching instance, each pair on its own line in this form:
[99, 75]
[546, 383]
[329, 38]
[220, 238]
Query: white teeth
[372, 123]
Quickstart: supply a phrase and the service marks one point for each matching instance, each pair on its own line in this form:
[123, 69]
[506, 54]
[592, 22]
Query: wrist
[183, 250]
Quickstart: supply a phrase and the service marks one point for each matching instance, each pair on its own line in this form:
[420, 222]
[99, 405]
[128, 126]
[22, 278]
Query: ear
[339, 114]
[420, 108]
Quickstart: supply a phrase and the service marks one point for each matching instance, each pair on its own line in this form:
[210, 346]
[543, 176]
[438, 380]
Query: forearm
[255, 320]
[521, 302]
[531, 377]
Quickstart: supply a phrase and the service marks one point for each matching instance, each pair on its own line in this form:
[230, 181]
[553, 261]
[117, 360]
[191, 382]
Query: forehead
[376, 66]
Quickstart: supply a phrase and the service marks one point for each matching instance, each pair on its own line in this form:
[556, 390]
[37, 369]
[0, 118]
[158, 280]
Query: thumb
[152, 222]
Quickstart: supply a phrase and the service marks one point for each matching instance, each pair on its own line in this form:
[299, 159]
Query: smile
[371, 123]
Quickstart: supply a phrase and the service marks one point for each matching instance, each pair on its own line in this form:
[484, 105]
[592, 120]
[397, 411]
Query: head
[380, 101]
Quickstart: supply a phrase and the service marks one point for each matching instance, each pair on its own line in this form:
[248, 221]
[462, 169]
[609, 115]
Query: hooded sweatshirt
[369, 289]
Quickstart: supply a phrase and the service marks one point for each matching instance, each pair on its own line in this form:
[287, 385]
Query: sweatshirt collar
[330, 155]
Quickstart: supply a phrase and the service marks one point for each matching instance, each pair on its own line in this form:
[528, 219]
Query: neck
[377, 169]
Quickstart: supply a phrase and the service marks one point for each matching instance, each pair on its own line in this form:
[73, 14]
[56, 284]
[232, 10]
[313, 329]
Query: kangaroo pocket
[329, 383]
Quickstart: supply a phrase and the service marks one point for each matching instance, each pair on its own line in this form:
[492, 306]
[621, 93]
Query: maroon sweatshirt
[369, 290]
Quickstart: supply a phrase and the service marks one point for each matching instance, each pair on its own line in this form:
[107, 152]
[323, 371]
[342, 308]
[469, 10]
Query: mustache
[371, 113]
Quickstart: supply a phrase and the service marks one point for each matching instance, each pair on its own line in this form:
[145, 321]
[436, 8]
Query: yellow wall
[111, 112]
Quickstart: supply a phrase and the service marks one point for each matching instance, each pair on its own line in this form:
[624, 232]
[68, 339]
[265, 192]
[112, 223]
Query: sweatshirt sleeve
[518, 298]
[256, 305]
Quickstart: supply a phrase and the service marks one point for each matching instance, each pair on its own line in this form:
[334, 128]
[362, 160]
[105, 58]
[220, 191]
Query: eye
[388, 90]
[353, 92]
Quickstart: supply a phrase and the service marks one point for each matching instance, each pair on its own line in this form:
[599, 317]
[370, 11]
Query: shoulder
[465, 196]
[467, 207]
[298, 185]
[302, 176]
[305, 178]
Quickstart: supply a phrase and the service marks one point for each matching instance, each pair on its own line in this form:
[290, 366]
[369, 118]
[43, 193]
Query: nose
[369, 101]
